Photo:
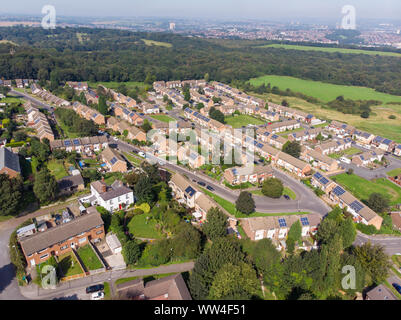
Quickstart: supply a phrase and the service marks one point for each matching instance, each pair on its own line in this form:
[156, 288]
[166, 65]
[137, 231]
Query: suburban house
[71, 184]
[9, 163]
[283, 126]
[126, 114]
[89, 113]
[384, 144]
[341, 129]
[304, 135]
[334, 146]
[167, 288]
[293, 165]
[112, 198]
[122, 126]
[397, 150]
[254, 174]
[381, 292]
[192, 158]
[78, 86]
[38, 121]
[319, 160]
[363, 138]
[186, 193]
[320, 181]
[62, 238]
[368, 157]
[276, 228]
[113, 160]
[148, 108]
[86, 145]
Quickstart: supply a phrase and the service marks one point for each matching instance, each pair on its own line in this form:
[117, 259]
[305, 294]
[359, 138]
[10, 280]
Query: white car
[97, 296]
[142, 154]
[115, 139]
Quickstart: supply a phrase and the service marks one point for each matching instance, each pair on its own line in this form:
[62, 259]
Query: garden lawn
[394, 173]
[140, 227]
[163, 118]
[288, 192]
[324, 91]
[66, 264]
[89, 258]
[239, 121]
[230, 208]
[125, 280]
[330, 50]
[362, 188]
[57, 169]
[132, 159]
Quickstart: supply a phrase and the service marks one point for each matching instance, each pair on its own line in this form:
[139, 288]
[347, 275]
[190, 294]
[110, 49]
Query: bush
[369, 230]
[392, 117]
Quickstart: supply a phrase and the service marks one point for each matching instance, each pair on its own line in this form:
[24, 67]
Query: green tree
[131, 252]
[216, 224]
[234, 282]
[294, 236]
[374, 261]
[45, 186]
[378, 202]
[245, 203]
[102, 107]
[348, 232]
[187, 242]
[146, 126]
[143, 190]
[82, 98]
[273, 188]
[292, 148]
[11, 191]
[216, 115]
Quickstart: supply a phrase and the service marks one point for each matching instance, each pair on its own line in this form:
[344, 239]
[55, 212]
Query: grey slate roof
[9, 160]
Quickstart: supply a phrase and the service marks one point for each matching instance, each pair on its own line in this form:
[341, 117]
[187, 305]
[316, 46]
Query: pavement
[391, 244]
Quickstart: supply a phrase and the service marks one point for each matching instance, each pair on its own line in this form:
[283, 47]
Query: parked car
[201, 183]
[95, 288]
[141, 154]
[397, 287]
[97, 296]
[210, 188]
[287, 197]
[115, 139]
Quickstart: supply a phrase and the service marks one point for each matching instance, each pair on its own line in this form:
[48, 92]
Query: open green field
[157, 43]
[140, 227]
[287, 192]
[242, 120]
[57, 169]
[11, 100]
[325, 92]
[114, 85]
[362, 188]
[162, 118]
[89, 258]
[331, 50]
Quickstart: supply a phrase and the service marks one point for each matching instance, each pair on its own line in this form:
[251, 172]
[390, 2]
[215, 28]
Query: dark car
[287, 197]
[95, 288]
[397, 287]
[210, 188]
[201, 183]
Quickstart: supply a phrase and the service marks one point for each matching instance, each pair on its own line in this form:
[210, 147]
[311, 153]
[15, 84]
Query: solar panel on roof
[305, 221]
[76, 142]
[190, 191]
[338, 191]
[113, 160]
[67, 143]
[318, 175]
[282, 222]
[356, 206]
[324, 181]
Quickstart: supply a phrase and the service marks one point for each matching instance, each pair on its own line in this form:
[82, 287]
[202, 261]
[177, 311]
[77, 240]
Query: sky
[245, 9]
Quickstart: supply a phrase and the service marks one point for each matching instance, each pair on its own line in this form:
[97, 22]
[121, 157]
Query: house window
[83, 240]
[44, 256]
[99, 232]
[63, 248]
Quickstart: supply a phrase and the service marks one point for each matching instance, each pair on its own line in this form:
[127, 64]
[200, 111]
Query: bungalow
[112, 198]
[71, 184]
[58, 240]
[253, 174]
[367, 158]
[276, 228]
[113, 160]
[319, 160]
[9, 163]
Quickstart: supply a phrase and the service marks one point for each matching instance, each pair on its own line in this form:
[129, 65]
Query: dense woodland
[117, 55]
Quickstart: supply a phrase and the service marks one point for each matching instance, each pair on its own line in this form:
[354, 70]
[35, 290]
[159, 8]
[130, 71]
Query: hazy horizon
[329, 10]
